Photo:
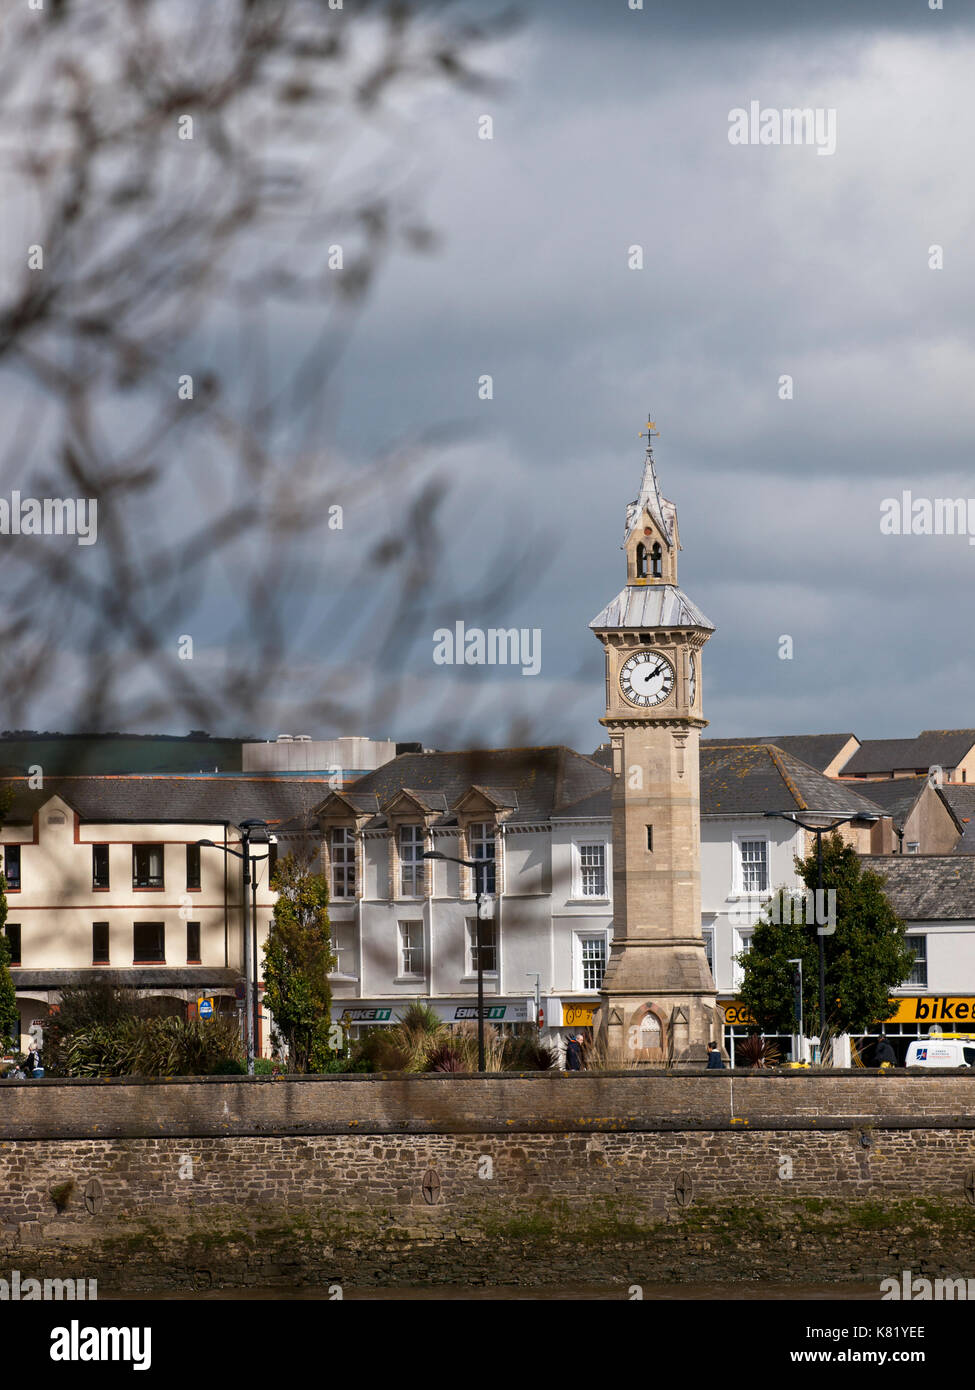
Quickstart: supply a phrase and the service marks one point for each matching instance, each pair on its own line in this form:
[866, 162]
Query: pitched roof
[749, 779]
[652, 500]
[932, 748]
[896, 795]
[927, 887]
[537, 782]
[169, 799]
[650, 605]
[818, 750]
[960, 800]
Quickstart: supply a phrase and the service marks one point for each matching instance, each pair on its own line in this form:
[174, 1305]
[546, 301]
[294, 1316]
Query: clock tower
[658, 999]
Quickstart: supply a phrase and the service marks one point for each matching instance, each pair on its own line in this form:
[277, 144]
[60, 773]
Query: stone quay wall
[599, 1179]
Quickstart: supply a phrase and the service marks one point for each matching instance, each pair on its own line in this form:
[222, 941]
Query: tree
[297, 961]
[198, 202]
[866, 956]
[9, 1013]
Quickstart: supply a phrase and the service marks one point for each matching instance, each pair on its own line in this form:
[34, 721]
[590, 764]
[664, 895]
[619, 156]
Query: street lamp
[255, 830]
[477, 865]
[828, 822]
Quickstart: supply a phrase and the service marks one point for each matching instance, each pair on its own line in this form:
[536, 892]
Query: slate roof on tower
[663, 512]
[652, 605]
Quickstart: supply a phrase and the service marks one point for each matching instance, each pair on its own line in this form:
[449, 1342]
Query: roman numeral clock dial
[646, 678]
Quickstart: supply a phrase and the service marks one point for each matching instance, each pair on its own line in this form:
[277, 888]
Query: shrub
[153, 1047]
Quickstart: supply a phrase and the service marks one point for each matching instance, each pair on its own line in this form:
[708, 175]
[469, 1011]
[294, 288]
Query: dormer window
[410, 861]
[641, 561]
[656, 560]
[343, 862]
[480, 839]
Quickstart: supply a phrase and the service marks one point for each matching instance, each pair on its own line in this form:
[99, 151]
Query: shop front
[912, 1017]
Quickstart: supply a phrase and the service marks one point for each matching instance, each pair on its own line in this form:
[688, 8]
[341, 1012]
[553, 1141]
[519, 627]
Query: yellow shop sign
[736, 1014]
[578, 1015]
[939, 1008]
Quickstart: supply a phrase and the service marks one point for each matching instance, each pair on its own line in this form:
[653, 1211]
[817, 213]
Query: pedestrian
[883, 1052]
[715, 1060]
[573, 1052]
[32, 1064]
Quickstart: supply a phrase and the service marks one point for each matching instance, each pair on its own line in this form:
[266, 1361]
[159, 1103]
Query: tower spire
[651, 499]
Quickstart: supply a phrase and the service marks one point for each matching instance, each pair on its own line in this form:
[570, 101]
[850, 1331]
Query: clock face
[646, 678]
[692, 681]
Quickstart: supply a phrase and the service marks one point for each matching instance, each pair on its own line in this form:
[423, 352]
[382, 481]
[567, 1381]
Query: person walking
[573, 1053]
[883, 1052]
[32, 1064]
[715, 1060]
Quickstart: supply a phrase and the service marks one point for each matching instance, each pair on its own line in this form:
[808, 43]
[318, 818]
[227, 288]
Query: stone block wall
[604, 1180]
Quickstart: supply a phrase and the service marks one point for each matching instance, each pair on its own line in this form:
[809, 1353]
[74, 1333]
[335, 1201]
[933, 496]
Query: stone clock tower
[658, 1000]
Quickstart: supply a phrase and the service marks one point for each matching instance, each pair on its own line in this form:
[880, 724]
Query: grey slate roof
[650, 605]
[960, 800]
[818, 750]
[932, 748]
[141, 977]
[170, 799]
[927, 887]
[749, 779]
[538, 782]
[896, 795]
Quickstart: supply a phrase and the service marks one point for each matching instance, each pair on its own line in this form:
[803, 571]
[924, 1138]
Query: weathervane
[651, 431]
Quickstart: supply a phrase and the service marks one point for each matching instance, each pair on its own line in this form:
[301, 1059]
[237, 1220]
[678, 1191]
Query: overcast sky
[759, 261]
[610, 130]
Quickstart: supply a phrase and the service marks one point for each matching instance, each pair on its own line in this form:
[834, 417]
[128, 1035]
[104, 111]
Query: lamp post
[477, 865]
[255, 830]
[828, 821]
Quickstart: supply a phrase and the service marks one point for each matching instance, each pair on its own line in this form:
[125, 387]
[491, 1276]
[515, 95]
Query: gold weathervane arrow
[651, 430]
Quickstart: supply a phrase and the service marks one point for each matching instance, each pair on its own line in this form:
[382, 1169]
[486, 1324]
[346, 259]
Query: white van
[946, 1050]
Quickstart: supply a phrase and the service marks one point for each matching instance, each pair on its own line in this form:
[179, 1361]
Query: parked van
[946, 1050]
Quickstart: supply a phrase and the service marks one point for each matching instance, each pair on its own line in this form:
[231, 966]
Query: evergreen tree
[9, 1012]
[866, 956]
[297, 961]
